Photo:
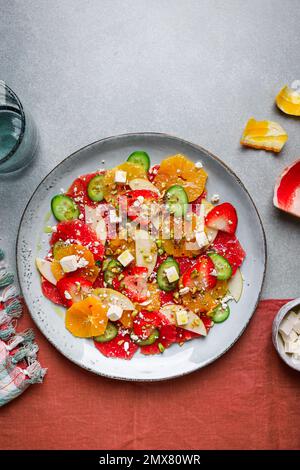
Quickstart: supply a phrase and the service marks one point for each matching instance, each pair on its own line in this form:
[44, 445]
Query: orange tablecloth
[247, 399]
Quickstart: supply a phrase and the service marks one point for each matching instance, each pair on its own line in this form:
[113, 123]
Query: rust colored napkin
[248, 399]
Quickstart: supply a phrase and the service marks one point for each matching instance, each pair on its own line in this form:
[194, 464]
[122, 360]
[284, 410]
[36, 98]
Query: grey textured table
[196, 69]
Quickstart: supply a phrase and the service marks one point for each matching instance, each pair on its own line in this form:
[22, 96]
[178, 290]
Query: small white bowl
[277, 340]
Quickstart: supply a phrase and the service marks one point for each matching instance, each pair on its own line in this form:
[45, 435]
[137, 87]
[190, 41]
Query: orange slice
[86, 318]
[184, 242]
[288, 101]
[132, 171]
[126, 319]
[177, 169]
[266, 135]
[206, 301]
[81, 252]
[154, 298]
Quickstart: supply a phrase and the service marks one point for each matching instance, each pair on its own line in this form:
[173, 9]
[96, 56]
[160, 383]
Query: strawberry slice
[52, 293]
[75, 287]
[230, 248]
[76, 231]
[222, 217]
[167, 336]
[121, 346]
[166, 298]
[145, 322]
[185, 263]
[200, 274]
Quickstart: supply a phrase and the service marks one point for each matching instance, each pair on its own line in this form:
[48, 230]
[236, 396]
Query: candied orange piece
[68, 250]
[177, 169]
[288, 101]
[266, 135]
[86, 318]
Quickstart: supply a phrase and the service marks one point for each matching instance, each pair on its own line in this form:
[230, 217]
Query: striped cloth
[18, 364]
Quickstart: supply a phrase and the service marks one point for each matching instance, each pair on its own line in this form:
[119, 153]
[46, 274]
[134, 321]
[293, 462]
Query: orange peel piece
[288, 101]
[86, 318]
[266, 135]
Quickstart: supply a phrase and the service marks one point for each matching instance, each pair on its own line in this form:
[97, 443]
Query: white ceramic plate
[176, 361]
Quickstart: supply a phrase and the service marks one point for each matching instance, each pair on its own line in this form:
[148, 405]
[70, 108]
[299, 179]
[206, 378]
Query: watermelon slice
[51, 292]
[76, 231]
[167, 336]
[228, 246]
[121, 347]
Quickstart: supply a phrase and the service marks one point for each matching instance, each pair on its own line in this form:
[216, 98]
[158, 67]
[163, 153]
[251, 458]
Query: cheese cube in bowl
[286, 333]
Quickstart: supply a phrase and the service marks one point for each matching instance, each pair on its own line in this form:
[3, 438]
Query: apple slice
[44, 268]
[139, 183]
[94, 220]
[112, 297]
[235, 285]
[195, 324]
[145, 250]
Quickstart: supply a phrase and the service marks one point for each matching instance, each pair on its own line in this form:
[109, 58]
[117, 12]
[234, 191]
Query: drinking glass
[18, 133]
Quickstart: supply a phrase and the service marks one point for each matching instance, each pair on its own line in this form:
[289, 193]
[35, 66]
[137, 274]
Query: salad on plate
[141, 258]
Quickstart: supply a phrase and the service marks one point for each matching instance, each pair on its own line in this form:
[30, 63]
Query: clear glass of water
[18, 133]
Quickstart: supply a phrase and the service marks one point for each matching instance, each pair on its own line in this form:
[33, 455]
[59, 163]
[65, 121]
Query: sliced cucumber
[64, 208]
[176, 200]
[162, 279]
[222, 266]
[109, 334]
[112, 270]
[95, 188]
[220, 314]
[150, 340]
[140, 158]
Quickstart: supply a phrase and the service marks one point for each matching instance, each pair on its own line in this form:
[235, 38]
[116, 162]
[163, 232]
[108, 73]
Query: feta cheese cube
[184, 291]
[292, 347]
[120, 176]
[296, 326]
[125, 258]
[198, 164]
[114, 312]
[288, 323]
[182, 317]
[215, 198]
[69, 263]
[289, 338]
[201, 239]
[172, 274]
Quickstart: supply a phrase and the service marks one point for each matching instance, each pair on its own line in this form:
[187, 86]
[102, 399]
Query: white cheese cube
[69, 263]
[289, 338]
[215, 198]
[172, 274]
[114, 312]
[182, 317]
[125, 258]
[288, 323]
[198, 164]
[201, 239]
[292, 346]
[120, 176]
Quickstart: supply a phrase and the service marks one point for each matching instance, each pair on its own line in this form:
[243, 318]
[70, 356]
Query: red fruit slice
[222, 217]
[200, 274]
[287, 190]
[51, 292]
[99, 282]
[76, 231]
[184, 335]
[228, 246]
[207, 322]
[134, 205]
[145, 322]
[78, 190]
[166, 298]
[167, 336]
[134, 284]
[185, 263]
[197, 202]
[73, 286]
[153, 172]
[121, 347]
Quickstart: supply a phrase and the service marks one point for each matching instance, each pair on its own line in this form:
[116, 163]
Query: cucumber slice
[150, 340]
[112, 270]
[109, 334]
[220, 314]
[176, 200]
[95, 188]
[140, 158]
[222, 266]
[64, 208]
[162, 279]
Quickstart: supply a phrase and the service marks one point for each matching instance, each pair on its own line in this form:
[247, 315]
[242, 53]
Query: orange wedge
[288, 101]
[86, 318]
[206, 301]
[132, 171]
[177, 169]
[81, 252]
[266, 135]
